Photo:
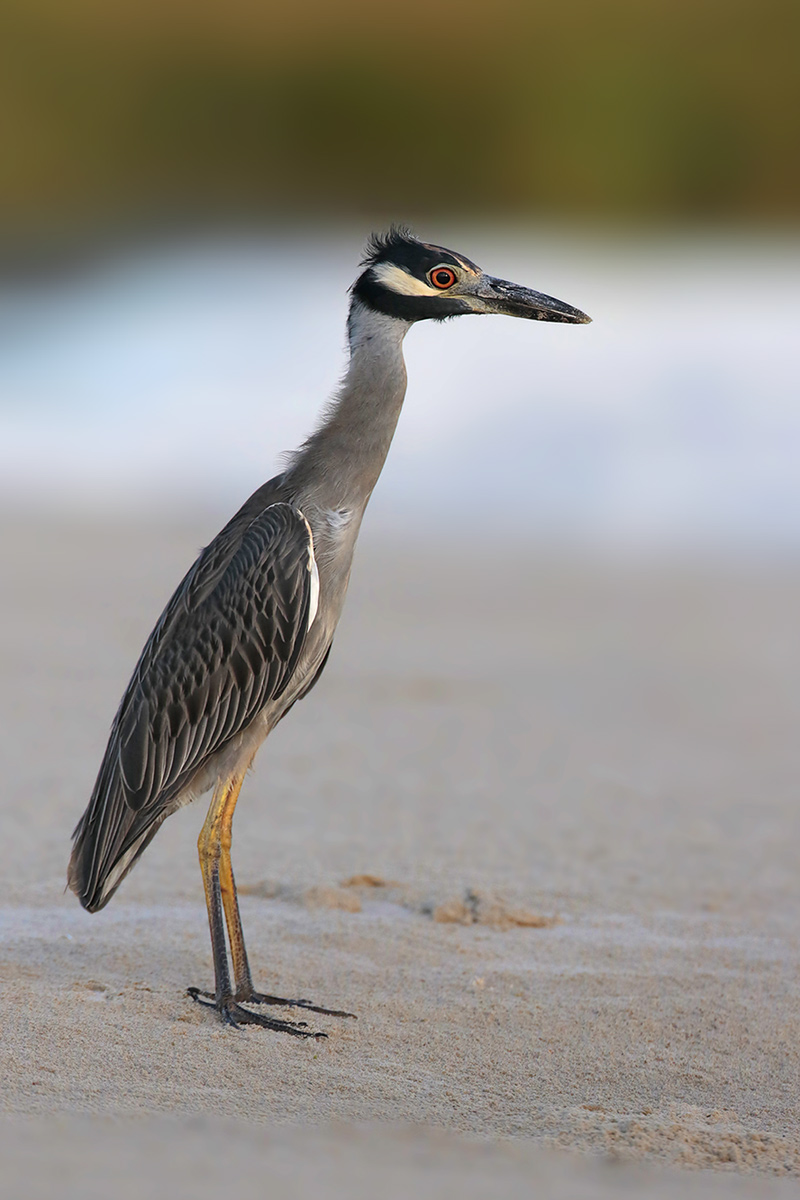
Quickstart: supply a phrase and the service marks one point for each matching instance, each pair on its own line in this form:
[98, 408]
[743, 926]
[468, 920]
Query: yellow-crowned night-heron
[250, 627]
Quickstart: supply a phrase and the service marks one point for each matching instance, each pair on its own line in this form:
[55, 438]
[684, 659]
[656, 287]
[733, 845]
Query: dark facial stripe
[406, 308]
[417, 258]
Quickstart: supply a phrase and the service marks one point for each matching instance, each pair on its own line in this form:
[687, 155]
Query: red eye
[442, 277]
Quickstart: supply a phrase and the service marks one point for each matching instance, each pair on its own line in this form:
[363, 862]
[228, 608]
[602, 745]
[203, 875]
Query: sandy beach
[537, 827]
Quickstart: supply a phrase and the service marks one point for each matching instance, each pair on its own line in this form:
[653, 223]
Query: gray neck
[338, 466]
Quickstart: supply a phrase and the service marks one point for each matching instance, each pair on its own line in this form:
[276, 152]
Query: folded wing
[226, 645]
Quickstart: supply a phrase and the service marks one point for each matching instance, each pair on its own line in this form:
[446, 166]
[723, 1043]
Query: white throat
[372, 333]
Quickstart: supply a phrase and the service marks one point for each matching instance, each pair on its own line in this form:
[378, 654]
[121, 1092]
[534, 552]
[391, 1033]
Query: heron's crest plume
[385, 247]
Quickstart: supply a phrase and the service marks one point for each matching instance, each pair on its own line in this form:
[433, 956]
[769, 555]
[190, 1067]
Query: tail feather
[107, 841]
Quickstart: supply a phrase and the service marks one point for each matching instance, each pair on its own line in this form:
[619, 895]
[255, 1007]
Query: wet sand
[537, 826]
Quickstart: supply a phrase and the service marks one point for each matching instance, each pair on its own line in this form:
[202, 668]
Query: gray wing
[226, 645]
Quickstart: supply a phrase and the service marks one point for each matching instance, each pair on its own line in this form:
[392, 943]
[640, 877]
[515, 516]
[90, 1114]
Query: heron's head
[413, 281]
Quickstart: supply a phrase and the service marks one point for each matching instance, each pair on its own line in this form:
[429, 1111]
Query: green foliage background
[625, 109]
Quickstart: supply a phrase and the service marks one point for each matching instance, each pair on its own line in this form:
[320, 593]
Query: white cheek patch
[398, 280]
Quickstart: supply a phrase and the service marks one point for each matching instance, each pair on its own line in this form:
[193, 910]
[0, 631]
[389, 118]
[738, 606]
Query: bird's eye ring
[442, 277]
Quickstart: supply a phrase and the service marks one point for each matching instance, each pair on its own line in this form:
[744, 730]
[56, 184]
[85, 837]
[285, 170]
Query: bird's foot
[249, 996]
[234, 1014]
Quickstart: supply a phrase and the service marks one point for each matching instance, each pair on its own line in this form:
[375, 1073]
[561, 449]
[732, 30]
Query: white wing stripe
[313, 602]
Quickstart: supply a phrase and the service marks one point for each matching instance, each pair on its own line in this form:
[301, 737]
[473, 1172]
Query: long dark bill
[512, 300]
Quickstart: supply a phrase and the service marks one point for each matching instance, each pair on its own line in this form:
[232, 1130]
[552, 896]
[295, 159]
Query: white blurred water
[173, 380]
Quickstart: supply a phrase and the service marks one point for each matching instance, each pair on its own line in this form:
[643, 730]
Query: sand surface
[537, 827]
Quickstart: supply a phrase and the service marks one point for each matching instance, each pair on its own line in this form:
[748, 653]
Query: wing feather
[225, 646]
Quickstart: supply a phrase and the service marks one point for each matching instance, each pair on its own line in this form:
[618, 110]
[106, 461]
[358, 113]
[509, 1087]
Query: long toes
[261, 998]
[201, 997]
[243, 1016]
[235, 1015]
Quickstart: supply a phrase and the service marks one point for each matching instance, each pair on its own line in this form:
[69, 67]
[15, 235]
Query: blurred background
[580, 696]
[185, 190]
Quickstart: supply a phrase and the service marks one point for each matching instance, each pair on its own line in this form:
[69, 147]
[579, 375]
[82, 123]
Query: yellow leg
[214, 850]
[242, 979]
